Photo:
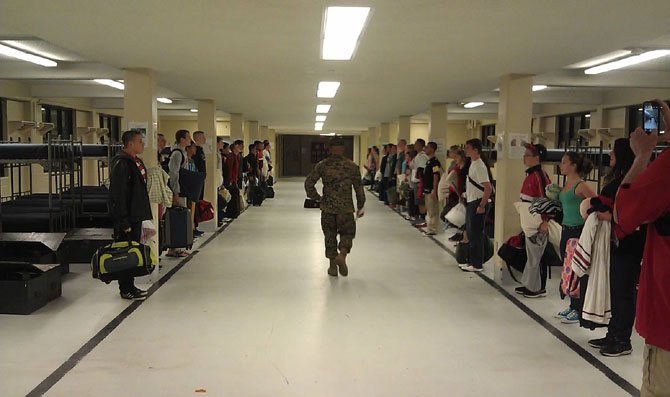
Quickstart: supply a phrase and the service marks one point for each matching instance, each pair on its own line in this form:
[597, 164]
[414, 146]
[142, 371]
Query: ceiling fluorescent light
[601, 59]
[629, 61]
[328, 134]
[342, 30]
[327, 89]
[539, 87]
[471, 105]
[194, 110]
[164, 100]
[111, 83]
[24, 56]
[322, 108]
[321, 118]
[318, 126]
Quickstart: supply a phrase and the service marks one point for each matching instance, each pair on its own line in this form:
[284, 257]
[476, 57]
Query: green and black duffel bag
[122, 258]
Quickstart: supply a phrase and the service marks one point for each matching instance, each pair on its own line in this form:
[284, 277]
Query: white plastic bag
[456, 216]
[148, 231]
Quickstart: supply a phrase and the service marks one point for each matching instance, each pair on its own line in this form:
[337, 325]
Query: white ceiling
[261, 57]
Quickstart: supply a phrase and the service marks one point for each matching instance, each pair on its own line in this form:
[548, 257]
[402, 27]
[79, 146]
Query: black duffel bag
[122, 258]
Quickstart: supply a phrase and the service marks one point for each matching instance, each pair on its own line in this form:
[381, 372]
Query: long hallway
[254, 313]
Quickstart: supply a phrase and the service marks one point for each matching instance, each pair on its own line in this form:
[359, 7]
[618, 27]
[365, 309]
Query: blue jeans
[474, 224]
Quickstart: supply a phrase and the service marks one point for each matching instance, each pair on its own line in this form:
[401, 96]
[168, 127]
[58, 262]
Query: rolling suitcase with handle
[178, 228]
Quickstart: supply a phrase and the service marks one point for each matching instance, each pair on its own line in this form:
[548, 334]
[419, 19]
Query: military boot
[332, 270]
[341, 260]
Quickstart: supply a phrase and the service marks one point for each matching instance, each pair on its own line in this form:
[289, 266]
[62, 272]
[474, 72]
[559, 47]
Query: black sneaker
[140, 291]
[537, 294]
[616, 349]
[133, 296]
[599, 343]
[521, 290]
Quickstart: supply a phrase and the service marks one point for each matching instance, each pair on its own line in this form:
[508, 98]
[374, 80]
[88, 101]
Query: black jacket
[199, 159]
[128, 193]
[382, 168]
[392, 163]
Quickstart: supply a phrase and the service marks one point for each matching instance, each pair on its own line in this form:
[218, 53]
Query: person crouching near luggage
[129, 202]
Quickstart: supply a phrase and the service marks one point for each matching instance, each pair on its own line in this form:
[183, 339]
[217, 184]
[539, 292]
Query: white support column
[254, 133]
[437, 129]
[207, 124]
[385, 133]
[404, 125]
[236, 127]
[140, 109]
[246, 136]
[515, 111]
[265, 133]
[374, 138]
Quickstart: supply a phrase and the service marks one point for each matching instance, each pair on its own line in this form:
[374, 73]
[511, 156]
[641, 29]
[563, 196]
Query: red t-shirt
[644, 201]
[533, 186]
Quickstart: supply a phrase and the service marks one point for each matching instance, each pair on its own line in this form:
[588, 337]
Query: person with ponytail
[574, 166]
[625, 258]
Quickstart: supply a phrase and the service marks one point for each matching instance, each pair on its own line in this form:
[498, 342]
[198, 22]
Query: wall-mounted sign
[516, 146]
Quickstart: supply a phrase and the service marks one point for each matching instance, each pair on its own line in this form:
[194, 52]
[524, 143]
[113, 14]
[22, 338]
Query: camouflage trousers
[334, 224]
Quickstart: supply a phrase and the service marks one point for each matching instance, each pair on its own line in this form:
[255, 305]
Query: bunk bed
[23, 211]
[67, 223]
[94, 199]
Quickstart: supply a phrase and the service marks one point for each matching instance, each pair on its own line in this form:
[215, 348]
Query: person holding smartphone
[644, 198]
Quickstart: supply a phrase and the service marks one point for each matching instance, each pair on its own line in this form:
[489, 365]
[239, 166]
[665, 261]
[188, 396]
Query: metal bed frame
[59, 165]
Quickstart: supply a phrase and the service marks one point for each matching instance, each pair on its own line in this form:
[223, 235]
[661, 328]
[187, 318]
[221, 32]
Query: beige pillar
[598, 118]
[364, 145]
[207, 124]
[236, 127]
[374, 138]
[437, 129]
[246, 136]
[515, 111]
[140, 109]
[254, 132]
[404, 126]
[385, 133]
[264, 133]
[393, 134]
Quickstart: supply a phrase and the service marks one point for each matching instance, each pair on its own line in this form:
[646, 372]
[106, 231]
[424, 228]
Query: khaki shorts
[656, 372]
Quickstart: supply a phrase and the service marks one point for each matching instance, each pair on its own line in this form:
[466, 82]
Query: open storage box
[26, 287]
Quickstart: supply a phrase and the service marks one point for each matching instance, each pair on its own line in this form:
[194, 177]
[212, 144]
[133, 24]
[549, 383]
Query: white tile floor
[254, 314]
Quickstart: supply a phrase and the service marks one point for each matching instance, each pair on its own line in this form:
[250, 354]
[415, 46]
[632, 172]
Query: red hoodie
[645, 201]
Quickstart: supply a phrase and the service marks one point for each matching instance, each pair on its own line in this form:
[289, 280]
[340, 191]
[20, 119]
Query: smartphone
[651, 114]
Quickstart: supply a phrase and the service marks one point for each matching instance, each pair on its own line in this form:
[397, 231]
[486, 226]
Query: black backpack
[166, 160]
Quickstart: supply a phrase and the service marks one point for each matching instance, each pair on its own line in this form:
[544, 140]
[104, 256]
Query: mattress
[30, 151]
[30, 222]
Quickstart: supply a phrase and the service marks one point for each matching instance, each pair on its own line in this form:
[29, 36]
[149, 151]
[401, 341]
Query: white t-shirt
[479, 174]
[419, 162]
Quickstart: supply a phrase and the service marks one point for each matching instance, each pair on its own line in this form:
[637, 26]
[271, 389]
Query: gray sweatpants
[532, 274]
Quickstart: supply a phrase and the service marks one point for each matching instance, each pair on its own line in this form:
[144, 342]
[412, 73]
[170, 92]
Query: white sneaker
[472, 269]
[428, 234]
[463, 265]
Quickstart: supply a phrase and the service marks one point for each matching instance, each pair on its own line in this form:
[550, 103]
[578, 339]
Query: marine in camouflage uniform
[337, 208]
